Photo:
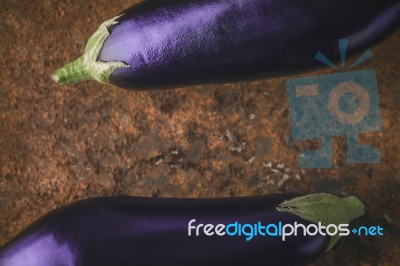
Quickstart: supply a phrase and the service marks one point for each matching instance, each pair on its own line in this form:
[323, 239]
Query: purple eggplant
[158, 43]
[148, 231]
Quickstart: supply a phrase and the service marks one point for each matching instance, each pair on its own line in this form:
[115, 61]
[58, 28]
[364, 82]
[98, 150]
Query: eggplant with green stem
[163, 44]
[149, 231]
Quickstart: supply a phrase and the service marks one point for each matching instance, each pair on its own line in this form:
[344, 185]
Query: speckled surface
[59, 144]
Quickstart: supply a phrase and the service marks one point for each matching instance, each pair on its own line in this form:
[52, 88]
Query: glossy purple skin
[148, 231]
[181, 42]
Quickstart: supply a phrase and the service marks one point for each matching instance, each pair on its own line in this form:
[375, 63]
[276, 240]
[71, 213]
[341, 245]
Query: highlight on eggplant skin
[149, 231]
[159, 44]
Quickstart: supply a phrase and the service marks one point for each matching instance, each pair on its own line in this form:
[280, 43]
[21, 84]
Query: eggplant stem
[87, 67]
[326, 209]
[71, 73]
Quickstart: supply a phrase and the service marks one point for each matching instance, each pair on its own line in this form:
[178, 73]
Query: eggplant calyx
[325, 209]
[87, 67]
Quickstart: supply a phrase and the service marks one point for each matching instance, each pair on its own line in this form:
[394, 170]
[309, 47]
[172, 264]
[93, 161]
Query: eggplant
[149, 231]
[165, 44]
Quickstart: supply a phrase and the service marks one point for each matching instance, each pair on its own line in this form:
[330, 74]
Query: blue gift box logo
[342, 104]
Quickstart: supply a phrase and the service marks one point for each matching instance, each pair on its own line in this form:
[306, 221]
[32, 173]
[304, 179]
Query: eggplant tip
[87, 67]
[56, 77]
[73, 72]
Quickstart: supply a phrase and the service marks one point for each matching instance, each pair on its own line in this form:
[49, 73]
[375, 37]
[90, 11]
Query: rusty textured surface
[59, 144]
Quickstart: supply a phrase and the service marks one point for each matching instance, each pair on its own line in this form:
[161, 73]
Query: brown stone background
[59, 144]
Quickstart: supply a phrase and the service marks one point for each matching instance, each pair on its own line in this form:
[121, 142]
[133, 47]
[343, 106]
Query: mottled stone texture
[59, 144]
